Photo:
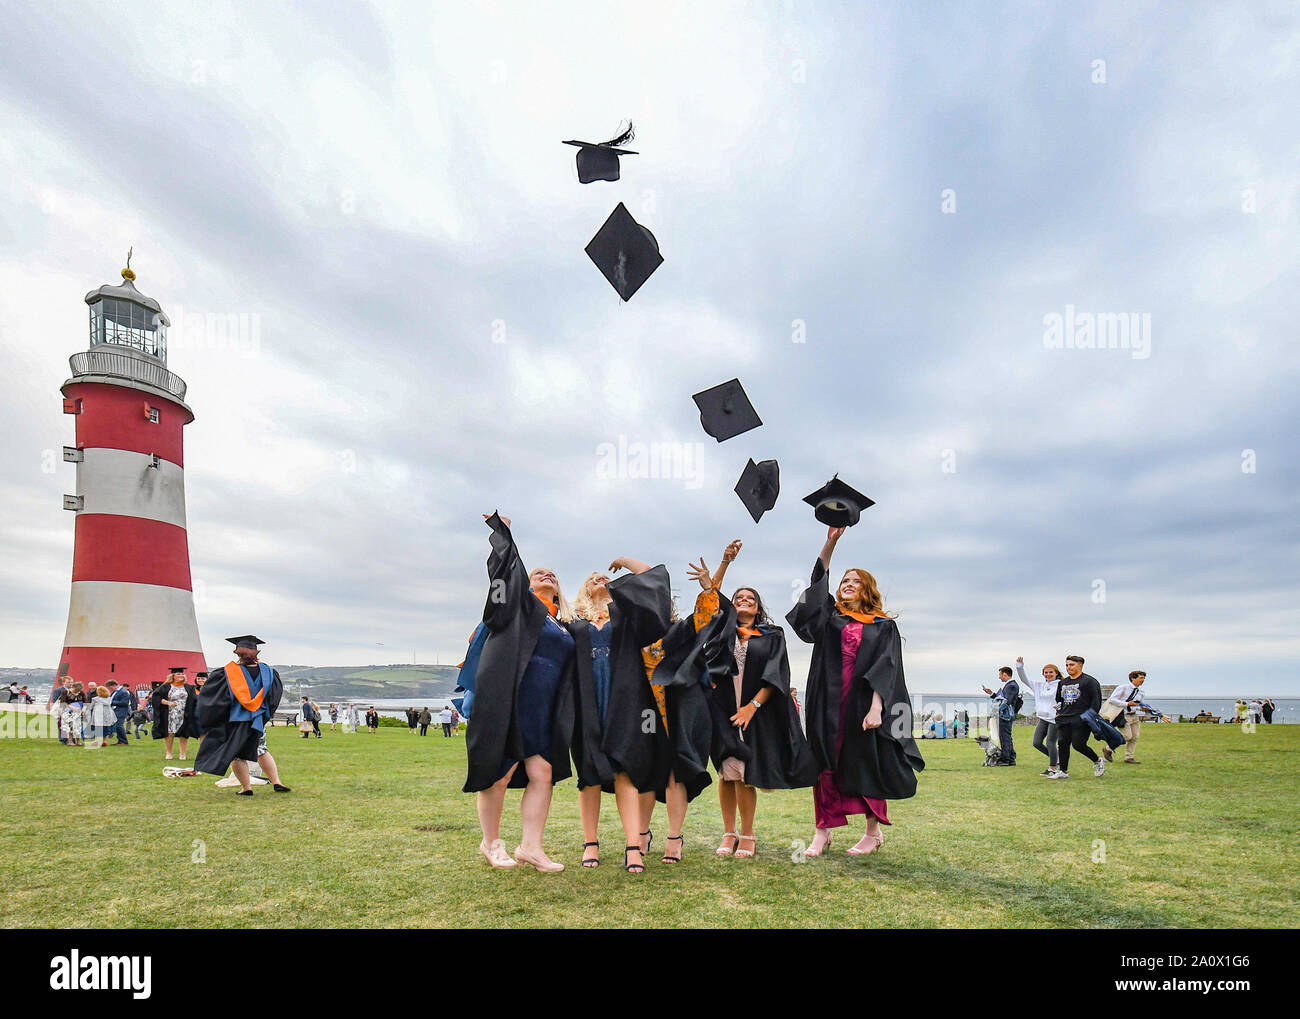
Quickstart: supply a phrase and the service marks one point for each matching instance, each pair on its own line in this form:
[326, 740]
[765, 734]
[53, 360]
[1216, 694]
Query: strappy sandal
[877, 840]
[746, 853]
[632, 868]
[595, 860]
[723, 850]
[830, 836]
[649, 837]
[673, 859]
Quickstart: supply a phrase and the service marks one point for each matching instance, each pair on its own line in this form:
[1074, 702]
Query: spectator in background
[174, 713]
[56, 706]
[315, 719]
[72, 704]
[445, 717]
[1123, 706]
[425, 719]
[1075, 694]
[305, 714]
[334, 717]
[372, 719]
[412, 719]
[13, 691]
[455, 721]
[119, 699]
[102, 719]
[1045, 708]
[24, 696]
[1007, 701]
[1269, 708]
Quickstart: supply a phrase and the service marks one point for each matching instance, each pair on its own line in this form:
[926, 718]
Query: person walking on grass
[1074, 695]
[119, 699]
[237, 702]
[372, 719]
[1044, 691]
[334, 718]
[1006, 701]
[412, 720]
[1269, 708]
[425, 718]
[444, 717]
[455, 721]
[1123, 705]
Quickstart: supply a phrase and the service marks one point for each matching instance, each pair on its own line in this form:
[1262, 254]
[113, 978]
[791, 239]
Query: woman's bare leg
[491, 802]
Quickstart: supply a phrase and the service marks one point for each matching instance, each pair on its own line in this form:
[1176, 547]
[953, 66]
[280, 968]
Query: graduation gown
[189, 727]
[514, 618]
[775, 752]
[880, 763]
[640, 610]
[222, 738]
[689, 653]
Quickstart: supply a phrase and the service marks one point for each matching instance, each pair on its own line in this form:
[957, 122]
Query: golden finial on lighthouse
[127, 274]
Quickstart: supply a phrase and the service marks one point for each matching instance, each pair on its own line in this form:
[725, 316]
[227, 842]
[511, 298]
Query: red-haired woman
[859, 713]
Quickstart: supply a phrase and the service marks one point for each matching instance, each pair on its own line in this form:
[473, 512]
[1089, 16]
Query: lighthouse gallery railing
[129, 366]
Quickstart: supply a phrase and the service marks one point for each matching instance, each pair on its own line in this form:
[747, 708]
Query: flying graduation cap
[599, 160]
[247, 640]
[625, 251]
[725, 411]
[759, 486]
[838, 505]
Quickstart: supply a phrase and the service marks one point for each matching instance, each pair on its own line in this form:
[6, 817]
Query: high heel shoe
[633, 868]
[673, 859]
[830, 835]
[724, 849]
[496, 855]
[542, 863]
[595, 860]
[649, 837]
[870, 843]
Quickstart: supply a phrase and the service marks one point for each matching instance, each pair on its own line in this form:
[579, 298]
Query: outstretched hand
[504, 520]
[834, 534]
[731, 551]
[698, 571]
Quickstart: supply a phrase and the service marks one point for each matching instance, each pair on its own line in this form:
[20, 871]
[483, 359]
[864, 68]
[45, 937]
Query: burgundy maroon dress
[830, 805]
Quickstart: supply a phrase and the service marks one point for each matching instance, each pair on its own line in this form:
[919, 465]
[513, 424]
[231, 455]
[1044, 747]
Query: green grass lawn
[376, 833]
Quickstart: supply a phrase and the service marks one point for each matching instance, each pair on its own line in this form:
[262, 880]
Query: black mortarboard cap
[725, 410]
[625, 251]
[837, 504]
[599, 160]
[759, 486]
[247, 640]
[177, 668]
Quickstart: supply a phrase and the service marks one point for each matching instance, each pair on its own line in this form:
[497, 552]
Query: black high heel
[594, 861]
[673, 859]
[649, 838]
[632, 868]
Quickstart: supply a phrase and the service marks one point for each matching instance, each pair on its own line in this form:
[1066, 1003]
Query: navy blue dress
[600, 639]
[537, 688]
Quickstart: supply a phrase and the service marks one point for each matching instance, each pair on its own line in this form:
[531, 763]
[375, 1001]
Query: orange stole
[239, 687]
[861, 617]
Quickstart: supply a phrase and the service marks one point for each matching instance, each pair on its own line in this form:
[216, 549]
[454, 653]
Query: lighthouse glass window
[128, 325]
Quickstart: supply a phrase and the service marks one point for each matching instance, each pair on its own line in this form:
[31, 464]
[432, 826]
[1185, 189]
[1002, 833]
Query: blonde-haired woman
[859, 713]
[614, 749]
[73, 701]
[523, 701]
[1045, 708]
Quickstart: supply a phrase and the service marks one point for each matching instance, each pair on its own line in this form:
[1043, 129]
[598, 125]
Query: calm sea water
[1287, 713]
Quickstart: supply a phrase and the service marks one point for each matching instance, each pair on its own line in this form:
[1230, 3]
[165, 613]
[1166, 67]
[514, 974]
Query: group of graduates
[636, 702]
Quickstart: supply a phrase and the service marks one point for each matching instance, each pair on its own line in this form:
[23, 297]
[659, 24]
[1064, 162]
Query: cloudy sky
[873, 214]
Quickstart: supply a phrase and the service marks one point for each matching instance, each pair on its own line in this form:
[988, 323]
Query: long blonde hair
[564, 612]
[869, 602]
[584, 605]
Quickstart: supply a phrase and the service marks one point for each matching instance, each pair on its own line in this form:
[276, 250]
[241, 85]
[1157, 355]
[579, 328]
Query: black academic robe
[189, 727]
[222, 738]
[684, 671]
[634, 741]
[514, 617]
[774, 749]
[880, 763]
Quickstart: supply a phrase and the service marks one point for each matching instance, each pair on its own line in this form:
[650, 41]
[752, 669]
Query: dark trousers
[315, 726]
[1005, 741]
[446, 728]
[1073, 734]
[1045, 741]
[119, 730]
[424, 728]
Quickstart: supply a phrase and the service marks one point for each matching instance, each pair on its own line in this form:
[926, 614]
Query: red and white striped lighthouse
[131, 615]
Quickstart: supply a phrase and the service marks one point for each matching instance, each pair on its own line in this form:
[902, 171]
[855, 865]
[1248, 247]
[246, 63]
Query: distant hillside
[377, 681]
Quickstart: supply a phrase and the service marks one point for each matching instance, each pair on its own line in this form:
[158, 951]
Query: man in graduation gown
[235, 705]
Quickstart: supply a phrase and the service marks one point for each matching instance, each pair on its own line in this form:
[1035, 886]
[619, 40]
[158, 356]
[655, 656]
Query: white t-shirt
[445, 716]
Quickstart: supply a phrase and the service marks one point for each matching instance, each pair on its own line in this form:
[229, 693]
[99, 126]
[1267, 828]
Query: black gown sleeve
[809, 617]
[776, 670]
[645, 601]
[507, 578]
